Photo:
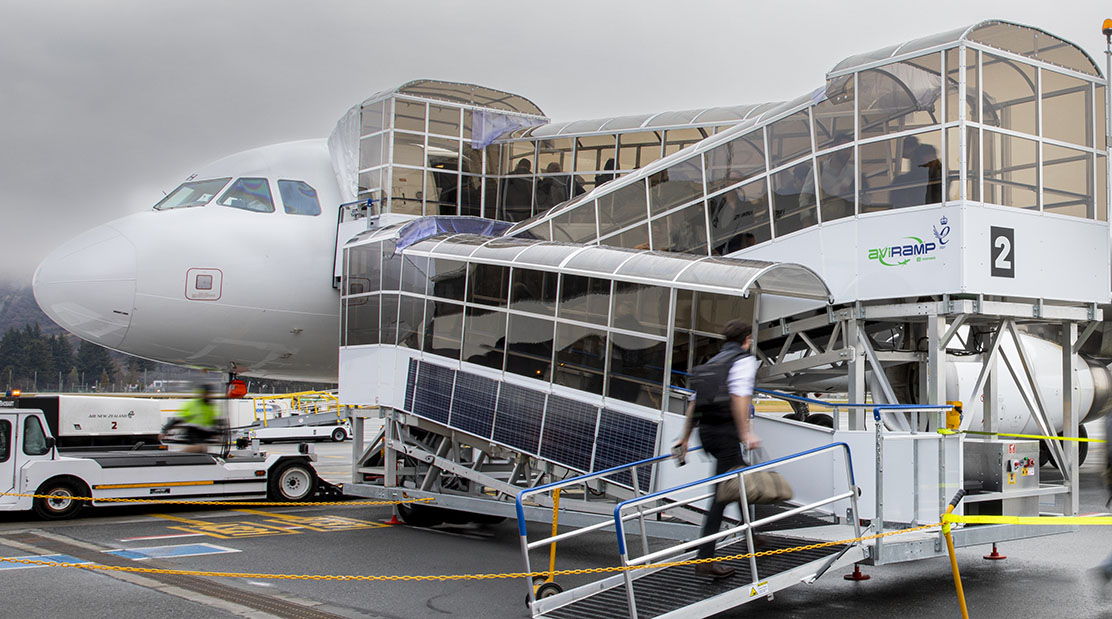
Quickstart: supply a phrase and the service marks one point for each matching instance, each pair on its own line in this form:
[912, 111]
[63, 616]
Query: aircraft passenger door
[7, 456]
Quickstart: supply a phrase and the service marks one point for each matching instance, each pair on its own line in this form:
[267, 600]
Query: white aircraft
[231, 271]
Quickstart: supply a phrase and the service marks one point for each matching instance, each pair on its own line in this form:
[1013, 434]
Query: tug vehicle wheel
[295, 481]
[58, 504]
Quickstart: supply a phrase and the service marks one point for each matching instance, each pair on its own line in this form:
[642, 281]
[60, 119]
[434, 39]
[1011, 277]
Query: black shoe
[714, 570]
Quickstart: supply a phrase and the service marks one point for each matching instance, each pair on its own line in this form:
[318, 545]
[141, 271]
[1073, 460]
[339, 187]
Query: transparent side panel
[576, 225]
[371, 151]
[442, 189]
[739, 218]
[621, 208]
[836, 184]
[735, 161]
[529, 347]
[488, 284]
[447, 278]
[637, 150]
[391, 267]
[411, 322]
[580, 357]
[388, 327]
[636, 369]
[901, 172]
[677, 139]
[484, 340]
[470, 196]
[1011, 171]
[1010, 96]
[364, 269]
[443, 328]
[713, 311]
[683, 231]
[362, 320]
[789, 138]
[676, 185]
[519, 157]
[595, 153]
[516, 198]
[552, 190]
[953, 73]
[554, 156]
[833, 117]
[641, 308]
[409, 149]
[586, 299]
[444, 120]
[370, 181]
[415, 274]
[409, 115]
[792, 202]
[533, 291]
[404, 205]
[634, 238]
[900, 96]
[371, 118]
[953, 164]
[1067, 109]
[1068, 182]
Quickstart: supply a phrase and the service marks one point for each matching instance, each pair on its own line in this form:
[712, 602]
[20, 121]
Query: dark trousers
[720, 441]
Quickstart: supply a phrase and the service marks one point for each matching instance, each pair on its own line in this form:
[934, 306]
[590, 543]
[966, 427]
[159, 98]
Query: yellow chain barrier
[1043, 520]
[1077, 439]
[448, 577]
[185, 502]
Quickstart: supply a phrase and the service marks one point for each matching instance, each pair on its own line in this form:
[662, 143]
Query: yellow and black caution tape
[1037, 436]
[187, 502]
[1081, 520]
[447, 577]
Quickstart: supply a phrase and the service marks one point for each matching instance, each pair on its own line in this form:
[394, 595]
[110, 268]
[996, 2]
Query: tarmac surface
[1048, 576]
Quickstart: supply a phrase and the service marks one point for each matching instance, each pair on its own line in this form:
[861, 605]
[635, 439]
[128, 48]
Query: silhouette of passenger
[517, 193]
[551, 190]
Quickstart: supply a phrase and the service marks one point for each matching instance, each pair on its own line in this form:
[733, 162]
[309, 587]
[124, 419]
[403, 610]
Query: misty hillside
[18, 308]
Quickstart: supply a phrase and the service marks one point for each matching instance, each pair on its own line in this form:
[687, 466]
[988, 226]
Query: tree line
[33, 360]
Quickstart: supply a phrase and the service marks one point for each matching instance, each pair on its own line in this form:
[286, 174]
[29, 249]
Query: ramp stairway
[666, 590]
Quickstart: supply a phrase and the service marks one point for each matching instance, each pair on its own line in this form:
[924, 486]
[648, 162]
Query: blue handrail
[619, 529]
[580, 479]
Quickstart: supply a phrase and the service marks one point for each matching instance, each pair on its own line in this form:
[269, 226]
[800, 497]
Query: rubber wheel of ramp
[293, 481]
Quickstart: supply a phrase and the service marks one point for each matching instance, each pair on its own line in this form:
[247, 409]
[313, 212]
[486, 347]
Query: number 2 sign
[1002, 252]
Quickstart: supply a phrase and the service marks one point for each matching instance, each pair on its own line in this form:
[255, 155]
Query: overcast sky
[106, 104]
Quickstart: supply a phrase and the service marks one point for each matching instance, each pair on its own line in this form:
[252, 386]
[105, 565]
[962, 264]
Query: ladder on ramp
[676, 590]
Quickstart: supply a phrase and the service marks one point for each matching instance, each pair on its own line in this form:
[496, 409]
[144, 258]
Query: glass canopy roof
[730, 276]
[465, 94]
[648, 122]
[1018, 39]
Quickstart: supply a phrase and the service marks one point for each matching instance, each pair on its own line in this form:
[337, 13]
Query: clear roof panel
[626, 122]
[502, 249]
[1016, 38]
[604, 260]
[655, 266]
[545, 254]
[469, 94]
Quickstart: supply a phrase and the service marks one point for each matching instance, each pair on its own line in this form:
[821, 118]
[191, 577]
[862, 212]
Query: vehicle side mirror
[50, 442]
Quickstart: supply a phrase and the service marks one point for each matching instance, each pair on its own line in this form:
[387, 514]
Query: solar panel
[473, 404]
[569, 432]
[517, 422]
[433, 397]
[623, 439]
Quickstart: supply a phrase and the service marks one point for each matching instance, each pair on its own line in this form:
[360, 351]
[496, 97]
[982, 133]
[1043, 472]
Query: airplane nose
[88, 285]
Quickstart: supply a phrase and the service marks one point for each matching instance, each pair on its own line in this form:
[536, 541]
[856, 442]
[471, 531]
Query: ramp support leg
[857, 574]
[995, 556]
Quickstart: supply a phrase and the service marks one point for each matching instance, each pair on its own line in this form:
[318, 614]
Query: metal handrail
[523, 533]
[746, 527]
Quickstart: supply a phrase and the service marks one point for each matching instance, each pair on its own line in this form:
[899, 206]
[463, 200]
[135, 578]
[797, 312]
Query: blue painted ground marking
[169, 552]
[8, 565]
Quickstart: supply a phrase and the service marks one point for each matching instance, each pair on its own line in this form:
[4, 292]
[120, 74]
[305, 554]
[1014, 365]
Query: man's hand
[751, 440]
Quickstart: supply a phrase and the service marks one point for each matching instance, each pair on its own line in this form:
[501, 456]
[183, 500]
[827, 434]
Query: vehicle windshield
[192, 193]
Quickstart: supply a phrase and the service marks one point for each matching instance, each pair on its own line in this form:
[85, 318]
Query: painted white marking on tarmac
[150, 537]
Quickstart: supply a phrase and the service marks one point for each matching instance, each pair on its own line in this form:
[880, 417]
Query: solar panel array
[580, 436]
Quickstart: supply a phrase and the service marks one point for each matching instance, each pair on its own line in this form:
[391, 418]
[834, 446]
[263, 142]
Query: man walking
[724, 397]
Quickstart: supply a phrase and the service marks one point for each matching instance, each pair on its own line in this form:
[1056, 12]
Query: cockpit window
[299, 198]
[249, 194]
[193, 193]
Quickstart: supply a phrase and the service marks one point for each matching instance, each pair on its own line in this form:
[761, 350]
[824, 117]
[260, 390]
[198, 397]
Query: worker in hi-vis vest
[199, 419]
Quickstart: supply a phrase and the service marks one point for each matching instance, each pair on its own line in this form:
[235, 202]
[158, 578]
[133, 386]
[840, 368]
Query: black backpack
[710, 380]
